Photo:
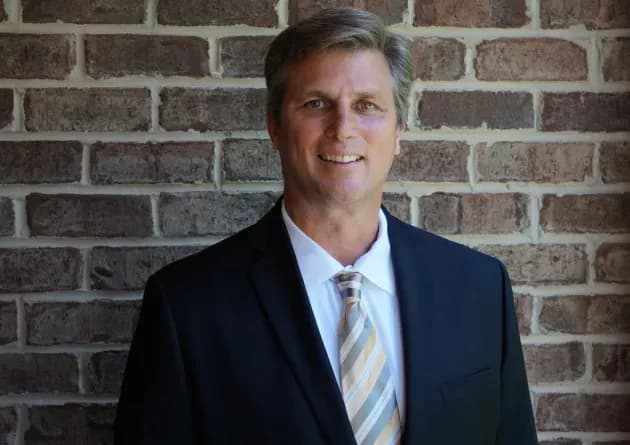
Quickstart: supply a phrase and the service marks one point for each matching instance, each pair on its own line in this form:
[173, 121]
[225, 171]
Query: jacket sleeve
[516, 420]
[154, 406]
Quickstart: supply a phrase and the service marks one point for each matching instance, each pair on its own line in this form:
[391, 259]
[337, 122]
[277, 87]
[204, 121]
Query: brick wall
[132, 133]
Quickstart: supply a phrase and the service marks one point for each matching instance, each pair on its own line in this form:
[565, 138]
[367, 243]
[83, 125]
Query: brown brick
[218, 12]
[594, 14]
[616, 56]
[583, 412]
[474, 109]
[398, 205]
[614, 161]
[89, 215]
[127, 268]
[534, 161]
[33, 56]
[611, 363]
[27, 373]
[94, 109]
[530, 59]
[433, 161]
[250, 160]
[70, 424]
[474, 213]
[523, 305]
[542, 263]
[609, 213]
[595, 314]
[8, 415]
[554, 363]
[32, 270]
[81, 11]
[80, 323]
[105, 371]
[211, 213]
[213, 110]
[172, 162]
[438, 59]
[390, 11]
[586, 111]
[26, 162]
[125, 55]
[6, 107]
[479, 13]
[612, 263]
[7, 217]
[243, 56]
[8, 322]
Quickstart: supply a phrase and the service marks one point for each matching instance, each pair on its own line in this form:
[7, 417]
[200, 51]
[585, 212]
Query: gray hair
[338, 28]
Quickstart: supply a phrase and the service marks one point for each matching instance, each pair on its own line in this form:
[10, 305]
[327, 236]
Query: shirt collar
[317, 265]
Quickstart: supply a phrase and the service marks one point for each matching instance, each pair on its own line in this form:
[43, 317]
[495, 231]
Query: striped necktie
[367, 386]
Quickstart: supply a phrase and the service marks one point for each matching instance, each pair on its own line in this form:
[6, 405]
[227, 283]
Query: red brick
[89, 215]
[616, 56]
[8, 415]
[43, 373]
[213, 110]
[124, 55]
[534, 161]
[243, 56]
[6, 107]
[586, 111]
[8, 322]
[40, 269]
[523, 305]
[611, 363]
[81, 11]
[477, 13]
[530, 59]
[127, 268]
[211, 213]
[583, 412]
[70, 424]
[614, 161]
[438, 59]
[473, 109]
[554, 363]
[398, 205]
[612, 263]
[474, 213]
[26, 162]
[608, 213]
[172, 162]
[95, 109]
[433, 161]
[250, 160]
[105, 371]
[577, 314]
[390, 11]
[33, 56]
[542, 263]
[218, 12]
[100, 321]
[594, 14]
[7, 217]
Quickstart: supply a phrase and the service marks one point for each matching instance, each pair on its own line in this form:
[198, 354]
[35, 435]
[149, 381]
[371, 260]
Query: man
[329, 321]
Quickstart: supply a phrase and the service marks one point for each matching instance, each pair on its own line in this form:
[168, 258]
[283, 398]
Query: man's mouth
[344, 159]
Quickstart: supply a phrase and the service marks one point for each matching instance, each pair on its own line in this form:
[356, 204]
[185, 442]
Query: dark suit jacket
[227, 350]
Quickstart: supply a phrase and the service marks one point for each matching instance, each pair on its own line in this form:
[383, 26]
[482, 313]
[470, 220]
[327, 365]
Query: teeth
[341, 159]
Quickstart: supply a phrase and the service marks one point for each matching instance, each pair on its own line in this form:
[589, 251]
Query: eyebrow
[369, 94]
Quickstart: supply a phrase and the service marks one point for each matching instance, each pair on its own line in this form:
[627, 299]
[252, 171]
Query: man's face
[337, 133]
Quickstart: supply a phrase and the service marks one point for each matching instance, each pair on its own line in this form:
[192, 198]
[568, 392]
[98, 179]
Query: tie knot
[349, 284]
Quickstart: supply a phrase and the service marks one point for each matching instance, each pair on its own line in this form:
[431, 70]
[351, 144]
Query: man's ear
[272, 129]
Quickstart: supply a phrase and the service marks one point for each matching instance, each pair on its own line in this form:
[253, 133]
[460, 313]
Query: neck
[345, 232]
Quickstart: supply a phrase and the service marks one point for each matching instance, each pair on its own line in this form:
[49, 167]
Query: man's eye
[366, 106]
[315, 104]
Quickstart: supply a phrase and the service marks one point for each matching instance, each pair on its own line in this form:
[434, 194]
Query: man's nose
[343, 123]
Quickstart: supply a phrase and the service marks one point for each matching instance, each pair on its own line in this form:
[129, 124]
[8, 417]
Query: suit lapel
[414, 287]
[283, 298]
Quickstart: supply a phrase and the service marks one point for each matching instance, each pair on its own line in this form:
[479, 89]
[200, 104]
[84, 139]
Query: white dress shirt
[378, 297]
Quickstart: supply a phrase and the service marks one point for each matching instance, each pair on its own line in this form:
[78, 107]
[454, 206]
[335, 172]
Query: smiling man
[329, 321]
